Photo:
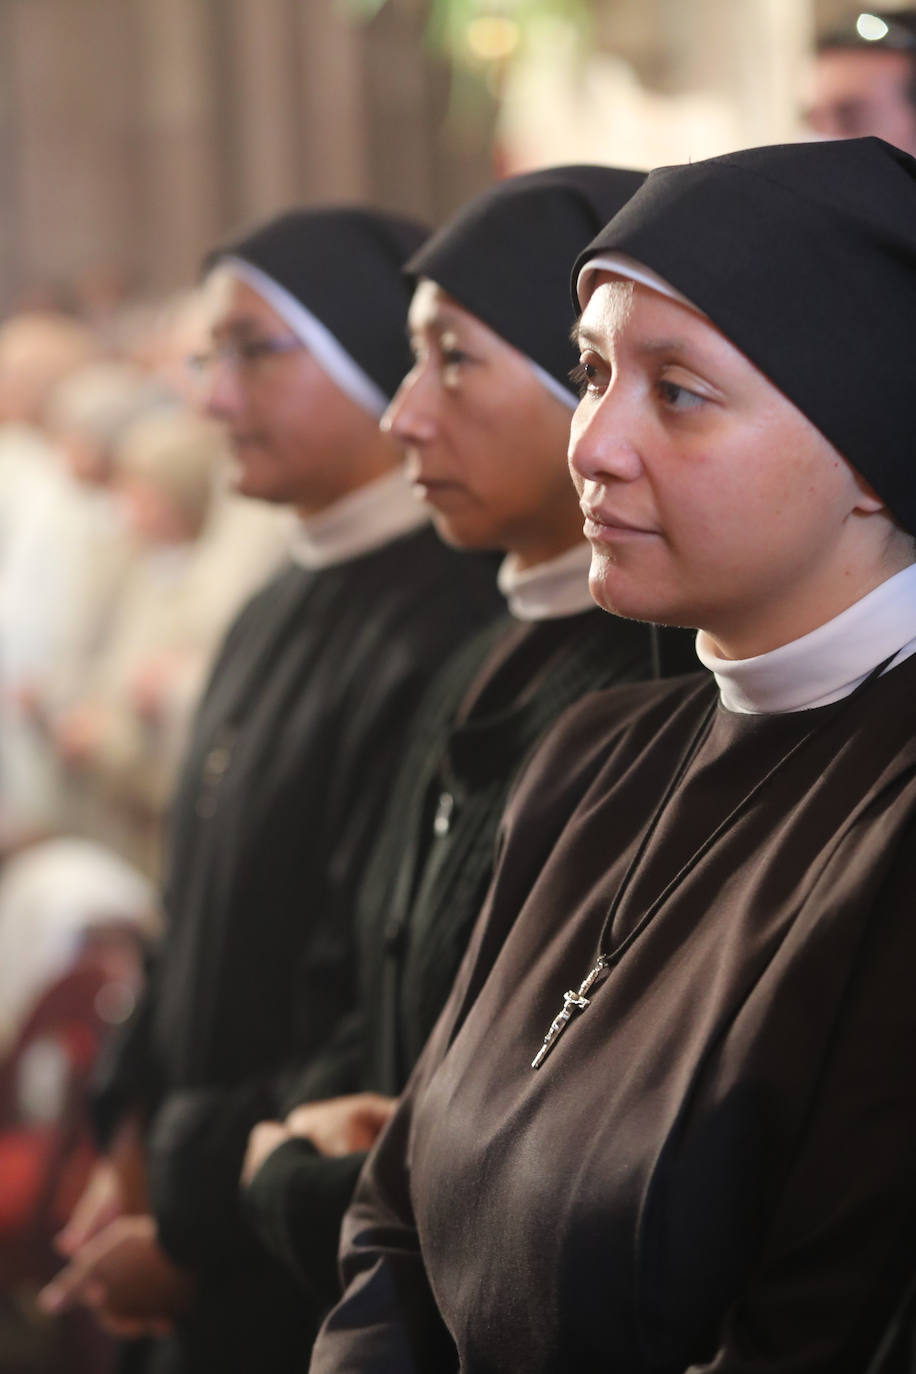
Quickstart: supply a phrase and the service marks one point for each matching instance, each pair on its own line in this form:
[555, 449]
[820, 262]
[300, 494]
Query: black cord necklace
[607, 959]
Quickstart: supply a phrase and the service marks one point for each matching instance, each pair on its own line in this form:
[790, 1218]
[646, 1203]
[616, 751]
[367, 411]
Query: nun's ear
[868, 501]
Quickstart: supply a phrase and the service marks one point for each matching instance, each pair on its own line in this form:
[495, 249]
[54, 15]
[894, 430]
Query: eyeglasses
[244, 355]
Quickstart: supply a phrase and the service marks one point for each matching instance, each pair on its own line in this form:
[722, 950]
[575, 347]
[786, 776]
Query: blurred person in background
[484, 415]
[301, 726]
[51, 896]
[37, 350]
[86, 418]
[165, 471]
[62, 575]
[862, 79]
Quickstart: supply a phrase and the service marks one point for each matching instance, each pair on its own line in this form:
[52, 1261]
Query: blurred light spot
[871, 28]
[42, 1078]
[491, 37]
[114, 1002]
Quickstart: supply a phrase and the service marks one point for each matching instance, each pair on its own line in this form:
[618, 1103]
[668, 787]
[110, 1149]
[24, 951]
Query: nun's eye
[676, 397]
[585, 377]
[245, 355]
[453, 357]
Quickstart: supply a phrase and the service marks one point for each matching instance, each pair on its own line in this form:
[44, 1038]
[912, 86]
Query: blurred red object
[46, 1145]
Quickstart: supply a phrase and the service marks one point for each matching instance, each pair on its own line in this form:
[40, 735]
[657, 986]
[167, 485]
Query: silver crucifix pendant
[572, 1001]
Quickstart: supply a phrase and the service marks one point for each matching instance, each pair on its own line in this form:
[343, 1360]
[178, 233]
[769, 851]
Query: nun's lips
[606, 527]
[239, 440]
[437, 490]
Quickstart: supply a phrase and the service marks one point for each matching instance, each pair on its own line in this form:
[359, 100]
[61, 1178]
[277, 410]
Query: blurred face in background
[855, 92]
[485, 439]
[151, 515]
[37, 351]
[87, 461]
[295, 436]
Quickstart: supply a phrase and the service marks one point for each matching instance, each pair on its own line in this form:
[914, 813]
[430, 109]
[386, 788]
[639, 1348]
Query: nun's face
[295, 436]
[484, 438]
[710, 500]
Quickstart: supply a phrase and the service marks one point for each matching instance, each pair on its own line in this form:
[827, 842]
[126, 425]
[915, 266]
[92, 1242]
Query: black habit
[294, 746]
[714, 1169]
[426, 881]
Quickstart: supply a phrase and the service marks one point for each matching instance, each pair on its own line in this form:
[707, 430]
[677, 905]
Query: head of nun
[305, 321]
[742, 448]
[483, 414]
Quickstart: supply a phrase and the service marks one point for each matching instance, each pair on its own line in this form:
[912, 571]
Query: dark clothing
[715, 1167]
[425, 885]
[896, 1353]
[300, 729]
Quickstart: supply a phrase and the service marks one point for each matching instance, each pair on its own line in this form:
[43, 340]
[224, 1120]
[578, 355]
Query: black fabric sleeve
[198, 1137]
[196, 1145]
[335, 1071]
[296, 1203]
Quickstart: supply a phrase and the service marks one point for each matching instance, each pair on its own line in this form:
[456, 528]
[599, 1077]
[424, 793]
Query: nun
[671, 1126]
[484, 417]
[299, 731]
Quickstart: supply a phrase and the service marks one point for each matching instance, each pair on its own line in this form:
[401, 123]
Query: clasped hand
[339, 1126]
[117, 1267]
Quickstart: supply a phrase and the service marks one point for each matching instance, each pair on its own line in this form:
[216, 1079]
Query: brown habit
[715, 1167]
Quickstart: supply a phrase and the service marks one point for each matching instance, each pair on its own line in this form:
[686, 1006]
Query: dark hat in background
[505, 255]
[343, 266]
[804, 256]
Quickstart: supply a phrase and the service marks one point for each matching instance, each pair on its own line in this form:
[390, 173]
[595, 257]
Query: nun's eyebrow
[241, 324]
[581, 334]
[655, 346]
[436, 323]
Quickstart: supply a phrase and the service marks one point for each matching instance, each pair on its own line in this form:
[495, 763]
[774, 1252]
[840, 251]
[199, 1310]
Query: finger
[63, 1291]
[94, 1294]
[262, 1142]
[67, 1241]
[76, 1233]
